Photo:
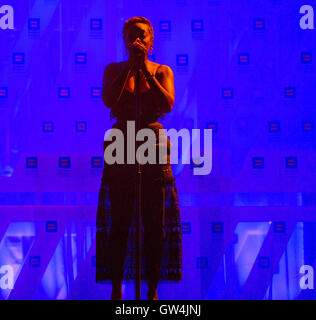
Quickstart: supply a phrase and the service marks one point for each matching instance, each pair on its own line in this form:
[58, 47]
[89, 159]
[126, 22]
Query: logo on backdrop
[6, 277]
[6, 17]
[307, 20]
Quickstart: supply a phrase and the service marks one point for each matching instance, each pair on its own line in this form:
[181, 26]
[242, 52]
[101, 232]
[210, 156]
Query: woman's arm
[163, 87]
[113, 83]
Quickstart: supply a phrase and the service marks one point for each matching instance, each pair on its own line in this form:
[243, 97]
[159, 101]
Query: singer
[116, 221]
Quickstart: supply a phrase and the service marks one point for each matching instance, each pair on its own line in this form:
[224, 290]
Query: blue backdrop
[242, 68]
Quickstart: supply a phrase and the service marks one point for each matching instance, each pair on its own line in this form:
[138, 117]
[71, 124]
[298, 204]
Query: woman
[116, 219]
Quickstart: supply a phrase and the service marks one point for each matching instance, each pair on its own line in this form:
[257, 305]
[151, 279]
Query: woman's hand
[137, 50]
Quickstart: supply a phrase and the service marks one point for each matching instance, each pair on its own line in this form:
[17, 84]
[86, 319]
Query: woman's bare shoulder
[112, 69]
[164, 70]
[113, 66]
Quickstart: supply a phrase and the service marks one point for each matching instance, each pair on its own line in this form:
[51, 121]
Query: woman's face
[141, 31]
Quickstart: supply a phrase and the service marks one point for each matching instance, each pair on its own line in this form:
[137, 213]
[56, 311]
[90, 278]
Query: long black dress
[116, 215]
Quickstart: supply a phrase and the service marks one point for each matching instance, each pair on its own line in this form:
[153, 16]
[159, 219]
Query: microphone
[138, 50]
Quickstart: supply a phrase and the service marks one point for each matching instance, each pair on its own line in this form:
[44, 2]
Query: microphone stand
[138, 188]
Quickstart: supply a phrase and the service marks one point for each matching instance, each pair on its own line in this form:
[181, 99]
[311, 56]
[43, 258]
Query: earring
[151, 50]
[126, 51]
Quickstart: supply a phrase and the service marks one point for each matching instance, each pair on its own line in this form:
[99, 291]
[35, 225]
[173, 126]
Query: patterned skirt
[118, 182]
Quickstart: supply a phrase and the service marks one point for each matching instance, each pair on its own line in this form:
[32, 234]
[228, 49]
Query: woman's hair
[128, 23]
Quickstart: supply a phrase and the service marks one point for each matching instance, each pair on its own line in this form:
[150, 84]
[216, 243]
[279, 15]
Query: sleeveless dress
[116, 214]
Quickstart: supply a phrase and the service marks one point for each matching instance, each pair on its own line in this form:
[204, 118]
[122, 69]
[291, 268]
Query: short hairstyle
[128, 23]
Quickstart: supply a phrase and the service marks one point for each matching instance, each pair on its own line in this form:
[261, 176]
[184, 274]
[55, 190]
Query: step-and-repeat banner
[244, 69]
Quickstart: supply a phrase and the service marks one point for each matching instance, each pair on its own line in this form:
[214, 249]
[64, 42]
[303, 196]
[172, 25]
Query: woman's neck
[146, 61]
